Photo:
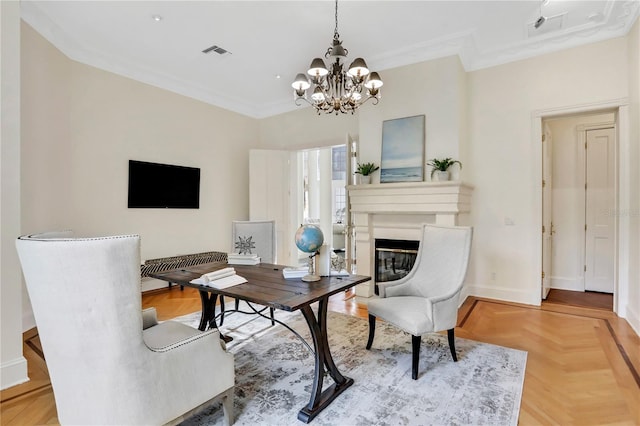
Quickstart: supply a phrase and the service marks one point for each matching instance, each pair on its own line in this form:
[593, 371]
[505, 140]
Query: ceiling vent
[552, 23]
[217, 49]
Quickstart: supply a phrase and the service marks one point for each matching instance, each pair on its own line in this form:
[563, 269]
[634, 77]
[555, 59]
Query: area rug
[274, 373]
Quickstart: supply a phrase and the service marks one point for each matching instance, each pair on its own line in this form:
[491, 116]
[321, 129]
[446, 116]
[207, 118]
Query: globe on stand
[309, 239]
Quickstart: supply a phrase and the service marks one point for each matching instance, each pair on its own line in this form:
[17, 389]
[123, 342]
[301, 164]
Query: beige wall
[303, 128]
[46, 134]
[81, 125]
[434, 88]
[505, 164]
[13, 366]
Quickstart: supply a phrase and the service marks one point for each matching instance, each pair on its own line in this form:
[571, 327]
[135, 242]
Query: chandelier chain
[336, 36]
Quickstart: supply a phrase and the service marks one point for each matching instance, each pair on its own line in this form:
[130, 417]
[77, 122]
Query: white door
[599, 210]
[547, 219]
[269, 195]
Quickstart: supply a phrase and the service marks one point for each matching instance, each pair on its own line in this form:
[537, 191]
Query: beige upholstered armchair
[109, 363]
[426, 300]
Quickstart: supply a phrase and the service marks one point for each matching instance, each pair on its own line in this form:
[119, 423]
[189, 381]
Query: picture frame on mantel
[403, 150]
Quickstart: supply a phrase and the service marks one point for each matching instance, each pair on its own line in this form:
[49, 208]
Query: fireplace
[397, 211]
[393, 259]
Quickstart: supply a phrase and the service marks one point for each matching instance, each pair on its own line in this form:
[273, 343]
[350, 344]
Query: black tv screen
[153, 185]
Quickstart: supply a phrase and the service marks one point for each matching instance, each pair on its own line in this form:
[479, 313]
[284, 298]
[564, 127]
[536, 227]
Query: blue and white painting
[402, 150]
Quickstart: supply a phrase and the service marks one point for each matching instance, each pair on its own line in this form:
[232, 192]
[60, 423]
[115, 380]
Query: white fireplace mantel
[397, 211]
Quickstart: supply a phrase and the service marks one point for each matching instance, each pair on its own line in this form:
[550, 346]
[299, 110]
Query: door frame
[622, 191]
[547, 208]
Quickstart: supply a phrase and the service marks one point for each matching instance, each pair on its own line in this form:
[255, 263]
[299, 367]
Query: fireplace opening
[394, 259]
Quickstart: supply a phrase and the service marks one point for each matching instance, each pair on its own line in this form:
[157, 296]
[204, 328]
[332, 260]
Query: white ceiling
[270, 38]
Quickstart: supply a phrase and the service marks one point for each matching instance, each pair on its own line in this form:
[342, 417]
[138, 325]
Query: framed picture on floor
[402, 150]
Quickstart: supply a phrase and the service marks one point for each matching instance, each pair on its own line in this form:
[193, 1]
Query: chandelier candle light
[337, 90]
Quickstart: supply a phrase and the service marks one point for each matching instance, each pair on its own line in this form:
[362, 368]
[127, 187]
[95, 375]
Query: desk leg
[209, 313]
[319, 399]
[208, 310]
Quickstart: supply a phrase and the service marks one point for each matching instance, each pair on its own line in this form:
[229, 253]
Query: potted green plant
[440, 167]
[365, 170]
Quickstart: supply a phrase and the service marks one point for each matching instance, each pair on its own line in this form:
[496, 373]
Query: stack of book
[220, 279]
[242, 259]
[295, 273]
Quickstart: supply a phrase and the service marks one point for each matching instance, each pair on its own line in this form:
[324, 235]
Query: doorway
[294, 187]
[322, 187]
[578, 205]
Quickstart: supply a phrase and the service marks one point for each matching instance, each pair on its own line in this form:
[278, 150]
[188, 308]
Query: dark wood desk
[266, 286]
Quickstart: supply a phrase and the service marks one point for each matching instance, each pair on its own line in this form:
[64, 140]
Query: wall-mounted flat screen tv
[153, 185]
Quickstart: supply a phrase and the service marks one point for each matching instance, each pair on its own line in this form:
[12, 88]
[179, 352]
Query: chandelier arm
[375, 100]
[302, 99]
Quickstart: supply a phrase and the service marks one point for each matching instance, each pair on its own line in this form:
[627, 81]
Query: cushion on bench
[174, 262]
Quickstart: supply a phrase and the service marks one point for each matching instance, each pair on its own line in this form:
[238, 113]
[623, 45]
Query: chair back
[442, 260]
[86, 300]
[260, 234]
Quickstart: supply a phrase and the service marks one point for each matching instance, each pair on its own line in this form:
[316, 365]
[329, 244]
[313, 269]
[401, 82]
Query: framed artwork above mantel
[403, 150]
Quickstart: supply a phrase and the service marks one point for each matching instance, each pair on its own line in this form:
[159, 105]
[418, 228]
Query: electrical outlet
[508, 221]
[493, 276]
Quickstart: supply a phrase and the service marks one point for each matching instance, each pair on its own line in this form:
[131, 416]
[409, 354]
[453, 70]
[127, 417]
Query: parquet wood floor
[585, 299]
[582, 364]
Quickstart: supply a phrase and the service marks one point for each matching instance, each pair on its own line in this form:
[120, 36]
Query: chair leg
[372, 330]
[221, 310]
[237, 304]
[272, 319]
[227, 407]
[452, 344]
[415, 343]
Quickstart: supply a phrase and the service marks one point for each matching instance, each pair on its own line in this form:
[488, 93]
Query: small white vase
[442, 175]
[364, 180]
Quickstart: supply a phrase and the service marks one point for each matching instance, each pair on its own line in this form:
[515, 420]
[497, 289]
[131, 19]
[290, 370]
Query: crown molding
[76, 51]
[462, 44]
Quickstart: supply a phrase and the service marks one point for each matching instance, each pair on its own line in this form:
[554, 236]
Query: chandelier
[336, 90]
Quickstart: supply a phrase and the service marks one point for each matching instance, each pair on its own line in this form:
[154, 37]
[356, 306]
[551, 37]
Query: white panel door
[599, 210]
[269, 172]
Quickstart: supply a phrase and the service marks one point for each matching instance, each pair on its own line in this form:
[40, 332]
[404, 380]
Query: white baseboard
[633, 318]
[518, 296]
[464, 294]
[13, 373]
[564, 283]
